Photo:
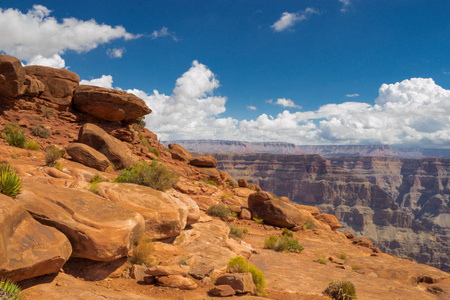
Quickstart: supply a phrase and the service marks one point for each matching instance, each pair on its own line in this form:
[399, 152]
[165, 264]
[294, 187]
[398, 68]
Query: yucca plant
[10, 182]
[9, 290]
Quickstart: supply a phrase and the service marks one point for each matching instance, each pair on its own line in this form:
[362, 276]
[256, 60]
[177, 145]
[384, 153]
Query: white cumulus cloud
[38, 37]
[251, 107]
[105, 81]
[55, 61]
[352, 95]
[115, 52]
[163, 32]
[288, 20]
[286, 103]
[345, 5]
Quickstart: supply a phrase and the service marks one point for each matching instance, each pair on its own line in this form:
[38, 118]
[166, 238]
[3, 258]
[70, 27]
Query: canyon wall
[401, 204]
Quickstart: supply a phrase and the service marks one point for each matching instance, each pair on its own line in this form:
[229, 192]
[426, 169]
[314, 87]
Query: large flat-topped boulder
[179, 152]
[88, 156]
[59, 84]
[12, 76]
[108, 104]
[116, 151]
[28, 248]
[97, 228]
[164, 216]
[207, 161]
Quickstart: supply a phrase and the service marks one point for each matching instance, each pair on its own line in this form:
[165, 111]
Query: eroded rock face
[11, 76]
[60, 84]
[28, 248]
[88, 156]
[164, 216]
[116, 151]
[204, 161]
[179, 152]
[97, 228]
[108, 104]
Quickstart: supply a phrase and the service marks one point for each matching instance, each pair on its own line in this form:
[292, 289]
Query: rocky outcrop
[59, 84]
[400, 205]
[164, 216]
[203, 161]
[24, 244]
[179, 152]
[241, 283]
[88, 156]
[11, 76]
[116, 151]
[97, 228]
[108, 104]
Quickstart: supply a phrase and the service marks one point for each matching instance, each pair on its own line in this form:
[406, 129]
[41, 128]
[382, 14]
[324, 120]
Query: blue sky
[307, 72]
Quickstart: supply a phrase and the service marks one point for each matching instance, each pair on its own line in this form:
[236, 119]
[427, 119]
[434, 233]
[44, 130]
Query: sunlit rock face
[401, 204]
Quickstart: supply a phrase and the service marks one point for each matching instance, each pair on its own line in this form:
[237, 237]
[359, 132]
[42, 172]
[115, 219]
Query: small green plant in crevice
[140, 122]
[52, 154]
[154, 151]
[282, 243]
[232, 183]
[341, 290]
[154, 175]
[97, 178]
[211, 183]
[322, 261]
[218, 210]
[32, 145]
[287, 232]
[308, 225]
[343, 256]
[235, 231]
[142, 253]
[14, 135]
[240, 265]
[10, 183]
[257, 220]
[245, 230]
[41, 131]
[59, 166]
[9, 290]
[183, 261]
[356, 268]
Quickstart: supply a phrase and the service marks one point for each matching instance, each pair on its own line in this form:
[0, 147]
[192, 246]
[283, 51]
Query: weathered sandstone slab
[88, 156]
[204, 161]
[179, 152]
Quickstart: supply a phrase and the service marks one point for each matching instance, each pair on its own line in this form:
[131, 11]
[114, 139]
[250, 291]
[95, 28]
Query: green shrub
[9, 290]
[212, 183]
[14, 135]
[154, 175]
[140, 122]
[59, 166]
[32, 145]
[232, 183]
[282, 243]
[257, 220]
[239, 265]
[356, 268]
[218, 210]
[93, 187]
[154, 151]
[48, 112]
[308, 225]
[287, 232]
[183, 261]
[343, 256]
[52, 154]
[41, 131]
[10, 182]
[245, 230]
[235, 232]
[97, 178]
[322, 261]
[142, 253]
[341, 290]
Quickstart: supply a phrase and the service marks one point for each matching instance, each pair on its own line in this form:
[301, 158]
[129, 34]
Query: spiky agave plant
[9, 290]
[10, 182]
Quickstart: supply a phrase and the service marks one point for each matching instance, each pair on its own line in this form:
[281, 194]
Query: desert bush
[59, 166]
[235, 231]
[41, 131]
[341, 290]
[96, 179]
[232, 183]
[322, 261]
[52, 154]
[140, 122]
[212, 183]
[10, 182]
[9, 290]
[257, 220]
[48, 112]
[282, 243]
[356, 268]
[343, 256]
[287, 232]
[245, 230]
[218, 210]
[32, 145]
[154, 175]
[142, 253]
[14, 135]
[239, 265]
[154, 151]
[308, 225]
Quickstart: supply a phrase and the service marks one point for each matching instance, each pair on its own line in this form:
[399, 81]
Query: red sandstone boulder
[330, 220]
[177, 281]
[243, 183]
[241, 283]
[179, 152]
[116, 151]
[12, 76]
[274, 211]
[167, 270]
[28, 248]
[204, 161]
[164, 216]
[88, 156]
[109, 104]
[97, 228]
[60, 84]
[222, 291]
